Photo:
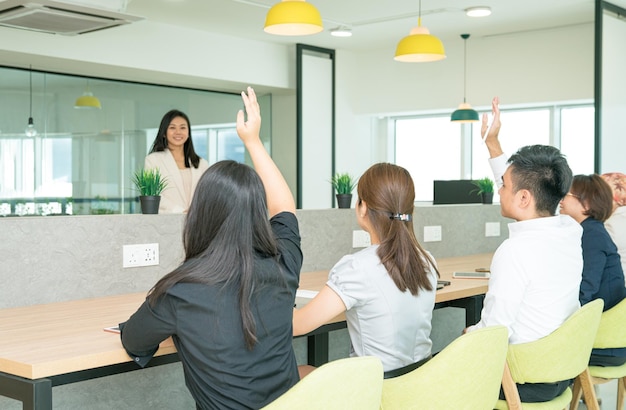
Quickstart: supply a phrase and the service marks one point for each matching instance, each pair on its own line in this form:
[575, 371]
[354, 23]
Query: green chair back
[612, 329]
[466, 374]
[352, 383]
[611, 334]
[561, 355]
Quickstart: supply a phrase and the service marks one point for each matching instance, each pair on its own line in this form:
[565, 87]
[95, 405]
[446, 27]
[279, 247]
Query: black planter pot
[150, 204]
[344, 200]
[487, 197]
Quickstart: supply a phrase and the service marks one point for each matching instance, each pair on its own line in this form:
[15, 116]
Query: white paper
[308, 294]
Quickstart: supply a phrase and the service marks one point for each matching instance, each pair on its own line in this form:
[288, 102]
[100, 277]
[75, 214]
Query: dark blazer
[602, 272]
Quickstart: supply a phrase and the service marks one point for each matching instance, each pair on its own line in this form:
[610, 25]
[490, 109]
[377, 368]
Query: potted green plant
[484, 188]
[150, 183]
[343, 184]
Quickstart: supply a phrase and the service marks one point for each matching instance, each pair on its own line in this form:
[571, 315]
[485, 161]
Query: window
[577, 138]
[431, 147]
[82, 161]
[218, 143]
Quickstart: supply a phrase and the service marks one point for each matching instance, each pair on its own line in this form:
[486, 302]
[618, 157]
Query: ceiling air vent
[57, 17]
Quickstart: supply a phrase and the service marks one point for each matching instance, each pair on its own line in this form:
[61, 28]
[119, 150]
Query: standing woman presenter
[173, 154]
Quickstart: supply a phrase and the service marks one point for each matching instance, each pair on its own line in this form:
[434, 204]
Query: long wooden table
[43, 346]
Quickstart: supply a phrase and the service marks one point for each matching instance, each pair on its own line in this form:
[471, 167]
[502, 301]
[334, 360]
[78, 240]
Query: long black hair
[227, 224]
[160, 141]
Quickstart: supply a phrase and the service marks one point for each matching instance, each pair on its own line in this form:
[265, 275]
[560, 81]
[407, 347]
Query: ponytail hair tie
[401, 217]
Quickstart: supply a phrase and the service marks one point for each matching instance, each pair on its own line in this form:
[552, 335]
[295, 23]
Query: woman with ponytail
[387, 289]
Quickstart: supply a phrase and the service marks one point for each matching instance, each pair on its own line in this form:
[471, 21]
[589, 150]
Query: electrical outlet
[361, 239]
[146, 254]
[492, 229]
[432, 233]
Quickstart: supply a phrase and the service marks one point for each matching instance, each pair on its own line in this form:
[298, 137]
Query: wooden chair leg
[589, 393]
[621, 390]
[510, 390]
[577, 393]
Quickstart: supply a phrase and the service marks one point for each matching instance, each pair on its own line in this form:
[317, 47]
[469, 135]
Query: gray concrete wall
[56, 258]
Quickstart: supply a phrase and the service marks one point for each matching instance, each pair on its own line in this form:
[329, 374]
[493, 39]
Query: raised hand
[490, 134]
[248, 130]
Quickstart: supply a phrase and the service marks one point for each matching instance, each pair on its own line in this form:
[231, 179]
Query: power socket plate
[146, 254]
[432, 233]
[361, 239]
[492, 229]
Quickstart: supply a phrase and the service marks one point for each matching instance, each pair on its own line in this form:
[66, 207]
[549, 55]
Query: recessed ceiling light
[479, 11]
[341, 31]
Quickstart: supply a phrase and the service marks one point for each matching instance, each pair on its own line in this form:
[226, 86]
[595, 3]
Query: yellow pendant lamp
[293, 18]
[87, 100]
[420, 46]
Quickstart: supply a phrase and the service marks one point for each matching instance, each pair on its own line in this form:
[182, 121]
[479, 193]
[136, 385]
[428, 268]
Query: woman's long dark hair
[160, 141]
[389, 192]
[226, 226]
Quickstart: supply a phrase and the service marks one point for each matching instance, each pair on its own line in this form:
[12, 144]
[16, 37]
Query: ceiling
[375, 24]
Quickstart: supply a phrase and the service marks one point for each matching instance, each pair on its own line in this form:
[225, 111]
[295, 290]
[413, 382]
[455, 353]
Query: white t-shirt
[383, 321]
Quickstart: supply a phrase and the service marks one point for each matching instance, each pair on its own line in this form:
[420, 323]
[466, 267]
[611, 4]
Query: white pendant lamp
[293, 18]
[30, 130]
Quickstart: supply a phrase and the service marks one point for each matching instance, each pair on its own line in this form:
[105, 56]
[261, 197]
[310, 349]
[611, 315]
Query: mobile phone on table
[471, 275]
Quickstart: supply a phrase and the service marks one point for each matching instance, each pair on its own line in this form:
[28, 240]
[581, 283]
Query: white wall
[548, 65]
[152, 52]
[525, 68]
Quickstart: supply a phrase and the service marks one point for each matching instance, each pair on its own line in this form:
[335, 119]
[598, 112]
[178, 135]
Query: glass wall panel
[81, 161]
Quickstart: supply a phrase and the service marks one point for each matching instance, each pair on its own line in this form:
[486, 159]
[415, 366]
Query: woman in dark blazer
[590, 202]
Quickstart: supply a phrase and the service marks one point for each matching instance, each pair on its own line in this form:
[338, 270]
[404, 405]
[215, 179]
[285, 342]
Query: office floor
[608, 393]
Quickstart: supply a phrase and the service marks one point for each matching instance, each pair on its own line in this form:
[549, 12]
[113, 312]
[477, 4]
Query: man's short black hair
[543, 170]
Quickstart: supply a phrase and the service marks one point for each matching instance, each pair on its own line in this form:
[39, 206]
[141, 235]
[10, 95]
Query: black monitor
[459, 191]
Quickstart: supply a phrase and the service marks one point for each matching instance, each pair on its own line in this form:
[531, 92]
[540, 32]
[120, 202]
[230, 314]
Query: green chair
[352, 383]
[611, 333]
[561, 355]
[466, 374]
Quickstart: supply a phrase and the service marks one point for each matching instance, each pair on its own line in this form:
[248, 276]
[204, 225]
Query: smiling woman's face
[617, 182]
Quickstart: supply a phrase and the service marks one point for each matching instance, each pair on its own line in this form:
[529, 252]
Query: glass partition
[81, 160]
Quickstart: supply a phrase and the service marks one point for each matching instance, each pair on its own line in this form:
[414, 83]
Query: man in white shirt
[536, 272]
